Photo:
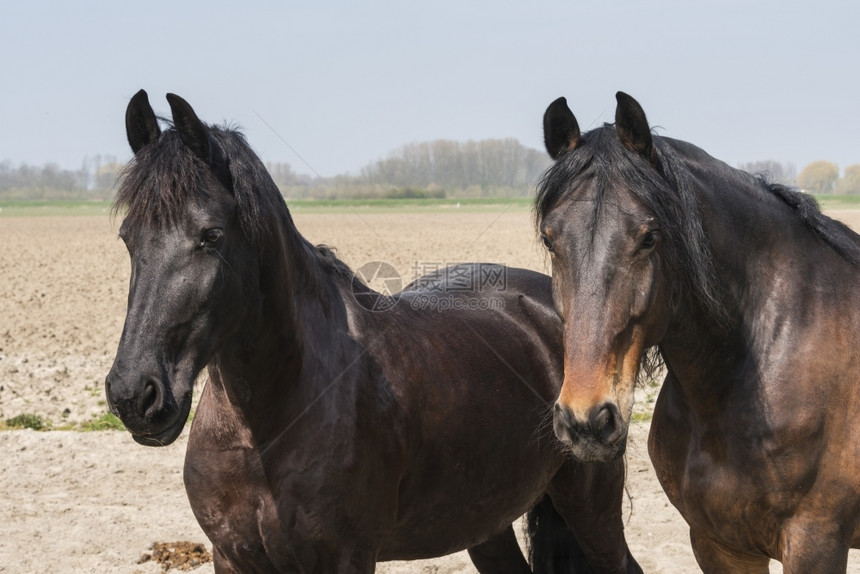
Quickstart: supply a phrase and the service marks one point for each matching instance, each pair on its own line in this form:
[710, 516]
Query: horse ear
[141, 126]
[560, 130]
[191, 130]
[632, 127]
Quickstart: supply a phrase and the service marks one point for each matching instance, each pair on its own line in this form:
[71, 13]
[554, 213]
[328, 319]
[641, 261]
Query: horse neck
[269, 369]
[747, 235]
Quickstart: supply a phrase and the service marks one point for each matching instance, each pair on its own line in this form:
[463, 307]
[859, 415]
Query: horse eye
[649, 240]
[547, 243]
[211, 237]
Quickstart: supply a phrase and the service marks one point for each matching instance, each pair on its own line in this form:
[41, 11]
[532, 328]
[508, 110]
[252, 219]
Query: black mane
[328, 256]
[835, 233]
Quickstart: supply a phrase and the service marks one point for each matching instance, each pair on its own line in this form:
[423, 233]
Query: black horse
[752, 297]
[331, 436]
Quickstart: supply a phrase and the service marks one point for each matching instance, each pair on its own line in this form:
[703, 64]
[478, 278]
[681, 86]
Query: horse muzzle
[147, 407]
[599, 436]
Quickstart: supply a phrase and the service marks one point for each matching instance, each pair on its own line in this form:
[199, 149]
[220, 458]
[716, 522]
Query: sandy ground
[95, 501]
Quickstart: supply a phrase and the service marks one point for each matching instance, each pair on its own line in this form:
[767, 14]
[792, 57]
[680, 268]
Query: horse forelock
[163, 178]
[156, 185]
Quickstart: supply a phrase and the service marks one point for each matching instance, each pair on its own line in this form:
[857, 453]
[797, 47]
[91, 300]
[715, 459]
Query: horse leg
[553, 548]
[500, 554]
[713, 558]
[813, 546]
[588, 497]
[223, 565]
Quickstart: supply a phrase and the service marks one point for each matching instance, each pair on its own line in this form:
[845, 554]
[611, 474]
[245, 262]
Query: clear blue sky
[344, 83]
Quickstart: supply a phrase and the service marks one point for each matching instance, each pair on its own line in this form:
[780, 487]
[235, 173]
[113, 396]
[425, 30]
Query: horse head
[191, 266]
[605, 247]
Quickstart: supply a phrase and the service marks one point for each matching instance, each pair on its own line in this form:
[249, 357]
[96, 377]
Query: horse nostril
[149, 396]
[606, 423]
[604, 419]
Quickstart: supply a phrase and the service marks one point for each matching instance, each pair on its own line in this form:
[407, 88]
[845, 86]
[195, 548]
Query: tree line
[823, 177]
[439, 168]
[94, 180]
[819, 177]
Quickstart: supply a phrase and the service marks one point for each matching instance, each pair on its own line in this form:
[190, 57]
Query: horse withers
[751, 297]
[339, 427]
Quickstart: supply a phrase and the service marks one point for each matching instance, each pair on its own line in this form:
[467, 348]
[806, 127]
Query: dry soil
[74, 501]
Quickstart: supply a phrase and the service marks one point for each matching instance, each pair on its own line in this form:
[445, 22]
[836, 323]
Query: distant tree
[290, 183]
[474, 167]
[772, 170]
[47, 182]
[283, 175]
[849, 184]
[106, 175]
[818, 177]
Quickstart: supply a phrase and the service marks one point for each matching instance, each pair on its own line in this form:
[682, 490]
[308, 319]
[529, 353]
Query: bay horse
[332, 435]
[751, 298]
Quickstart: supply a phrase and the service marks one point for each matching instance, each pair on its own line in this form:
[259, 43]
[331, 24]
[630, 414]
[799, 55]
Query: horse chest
[234, 505]
[289, 505]
[737, 485]
[714, 498]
